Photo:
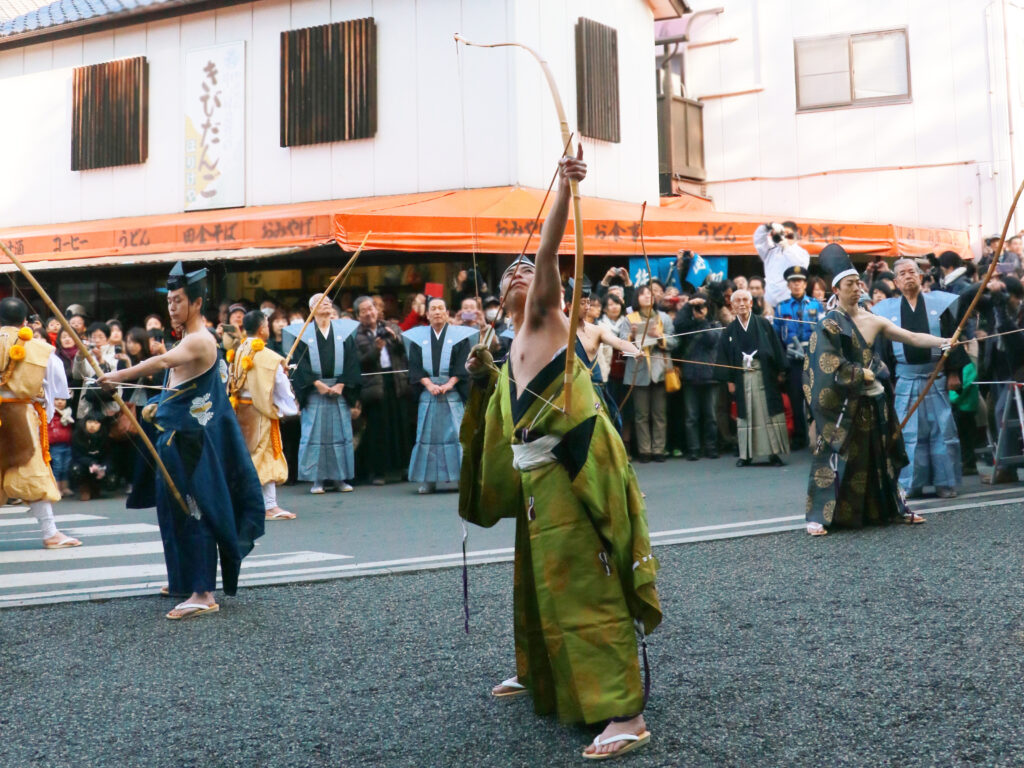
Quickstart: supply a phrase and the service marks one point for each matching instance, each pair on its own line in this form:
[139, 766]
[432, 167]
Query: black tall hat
[836, 262]
[194, 283]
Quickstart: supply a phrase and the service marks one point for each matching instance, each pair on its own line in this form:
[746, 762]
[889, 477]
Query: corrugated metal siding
[110, 114]
[597, 80]
[329, 83]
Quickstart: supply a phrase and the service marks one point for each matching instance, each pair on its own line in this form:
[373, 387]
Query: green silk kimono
[854, 478]
[584, 571]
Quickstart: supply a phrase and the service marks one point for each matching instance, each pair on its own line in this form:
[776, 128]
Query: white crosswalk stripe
[30, 521]
[29, 573]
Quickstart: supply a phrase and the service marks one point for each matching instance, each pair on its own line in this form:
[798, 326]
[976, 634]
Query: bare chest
[868, 325]
[530, 353]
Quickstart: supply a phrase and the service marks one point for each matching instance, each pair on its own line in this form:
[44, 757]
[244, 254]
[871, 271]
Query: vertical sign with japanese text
[215, 127]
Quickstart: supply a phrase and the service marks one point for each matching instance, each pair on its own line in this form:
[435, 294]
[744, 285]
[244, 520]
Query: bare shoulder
[870, 325]
[201, 346]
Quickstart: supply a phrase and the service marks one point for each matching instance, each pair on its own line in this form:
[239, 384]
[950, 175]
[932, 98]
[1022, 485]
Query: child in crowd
[89, 456]
[59, 432]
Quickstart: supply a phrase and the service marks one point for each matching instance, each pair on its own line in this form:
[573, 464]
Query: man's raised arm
[545, 292]
[188, 350]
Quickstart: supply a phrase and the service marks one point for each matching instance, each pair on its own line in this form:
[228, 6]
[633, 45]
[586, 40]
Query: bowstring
[539, 396]
[474, 237]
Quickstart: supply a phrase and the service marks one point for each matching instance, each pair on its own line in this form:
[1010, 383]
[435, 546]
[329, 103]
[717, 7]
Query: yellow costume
[24, 449]
[251, 382]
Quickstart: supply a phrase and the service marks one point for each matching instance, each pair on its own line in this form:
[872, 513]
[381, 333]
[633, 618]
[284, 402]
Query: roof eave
[112, 20]
[668, 9]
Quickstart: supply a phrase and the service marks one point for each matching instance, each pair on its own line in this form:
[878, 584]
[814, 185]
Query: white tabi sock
[43, 512]
[269, 496]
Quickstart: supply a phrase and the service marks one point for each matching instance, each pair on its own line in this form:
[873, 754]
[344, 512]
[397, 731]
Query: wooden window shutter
[329, 83]
[597, 80]
[110, 114]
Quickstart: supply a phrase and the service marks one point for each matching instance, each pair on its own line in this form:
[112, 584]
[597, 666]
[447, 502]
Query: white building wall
[627, 170]
[957, 115]
[477, 119]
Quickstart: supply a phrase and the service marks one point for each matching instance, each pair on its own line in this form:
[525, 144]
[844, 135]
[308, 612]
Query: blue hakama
[204, 451]
[437, 455]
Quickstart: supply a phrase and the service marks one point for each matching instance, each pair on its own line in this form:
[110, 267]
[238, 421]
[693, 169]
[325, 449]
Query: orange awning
[489, 220]
[498, 219]
[301, 225]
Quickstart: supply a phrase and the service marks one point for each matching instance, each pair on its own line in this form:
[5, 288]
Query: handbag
[673, 381]
[122, 428]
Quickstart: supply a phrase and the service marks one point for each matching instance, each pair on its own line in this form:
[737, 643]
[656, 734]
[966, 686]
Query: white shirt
[55, 384]
[777, 258]
[284, 398]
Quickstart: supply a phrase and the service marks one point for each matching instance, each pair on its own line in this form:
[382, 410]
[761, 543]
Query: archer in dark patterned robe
[859, 451]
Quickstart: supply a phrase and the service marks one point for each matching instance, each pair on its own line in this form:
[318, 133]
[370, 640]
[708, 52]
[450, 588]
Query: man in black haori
[756, 364]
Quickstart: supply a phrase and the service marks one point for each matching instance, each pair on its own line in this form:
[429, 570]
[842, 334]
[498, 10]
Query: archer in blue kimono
[199, 441]
[437, 364]
[933, 446]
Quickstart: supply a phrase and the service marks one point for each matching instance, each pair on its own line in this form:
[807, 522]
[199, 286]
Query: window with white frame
[850, 70]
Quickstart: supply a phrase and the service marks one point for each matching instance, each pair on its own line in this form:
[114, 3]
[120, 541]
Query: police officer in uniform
[795, 319]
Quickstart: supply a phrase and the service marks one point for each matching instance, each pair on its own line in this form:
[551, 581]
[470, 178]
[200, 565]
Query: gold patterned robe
[24, 449]
[252, 396]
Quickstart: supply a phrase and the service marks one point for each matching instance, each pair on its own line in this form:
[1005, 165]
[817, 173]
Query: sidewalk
[899, 646]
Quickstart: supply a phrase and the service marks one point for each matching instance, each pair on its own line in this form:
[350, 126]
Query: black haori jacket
[770, 354]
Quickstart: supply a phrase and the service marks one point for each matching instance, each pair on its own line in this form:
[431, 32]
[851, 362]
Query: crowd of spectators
[677, 398]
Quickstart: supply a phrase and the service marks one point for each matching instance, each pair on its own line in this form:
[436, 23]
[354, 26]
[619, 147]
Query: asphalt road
[888, 647]
[391, 529]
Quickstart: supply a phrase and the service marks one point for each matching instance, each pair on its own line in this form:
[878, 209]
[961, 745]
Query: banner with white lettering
[215, 127]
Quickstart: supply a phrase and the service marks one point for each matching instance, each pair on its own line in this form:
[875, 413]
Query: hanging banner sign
[215, 127]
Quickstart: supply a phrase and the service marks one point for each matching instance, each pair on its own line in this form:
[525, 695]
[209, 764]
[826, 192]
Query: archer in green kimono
[584, 588]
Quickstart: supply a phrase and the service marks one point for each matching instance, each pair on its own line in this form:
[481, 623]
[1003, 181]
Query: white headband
[841, 275]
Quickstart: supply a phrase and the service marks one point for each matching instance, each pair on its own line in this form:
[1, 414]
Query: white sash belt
[535, 454]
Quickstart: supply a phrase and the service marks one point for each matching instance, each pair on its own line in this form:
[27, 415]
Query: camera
[382, 332]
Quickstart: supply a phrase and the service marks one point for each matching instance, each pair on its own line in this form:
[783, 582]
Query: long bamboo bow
[574, 188]
[970, 309]
[99, 372]
[339, 278]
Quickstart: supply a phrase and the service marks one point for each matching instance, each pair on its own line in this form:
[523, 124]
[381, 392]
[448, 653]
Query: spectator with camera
[700, 386]
[416, 314]
[384, 395]
[779, 250]
[93, 399]
[470, 314]
[616, 280]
